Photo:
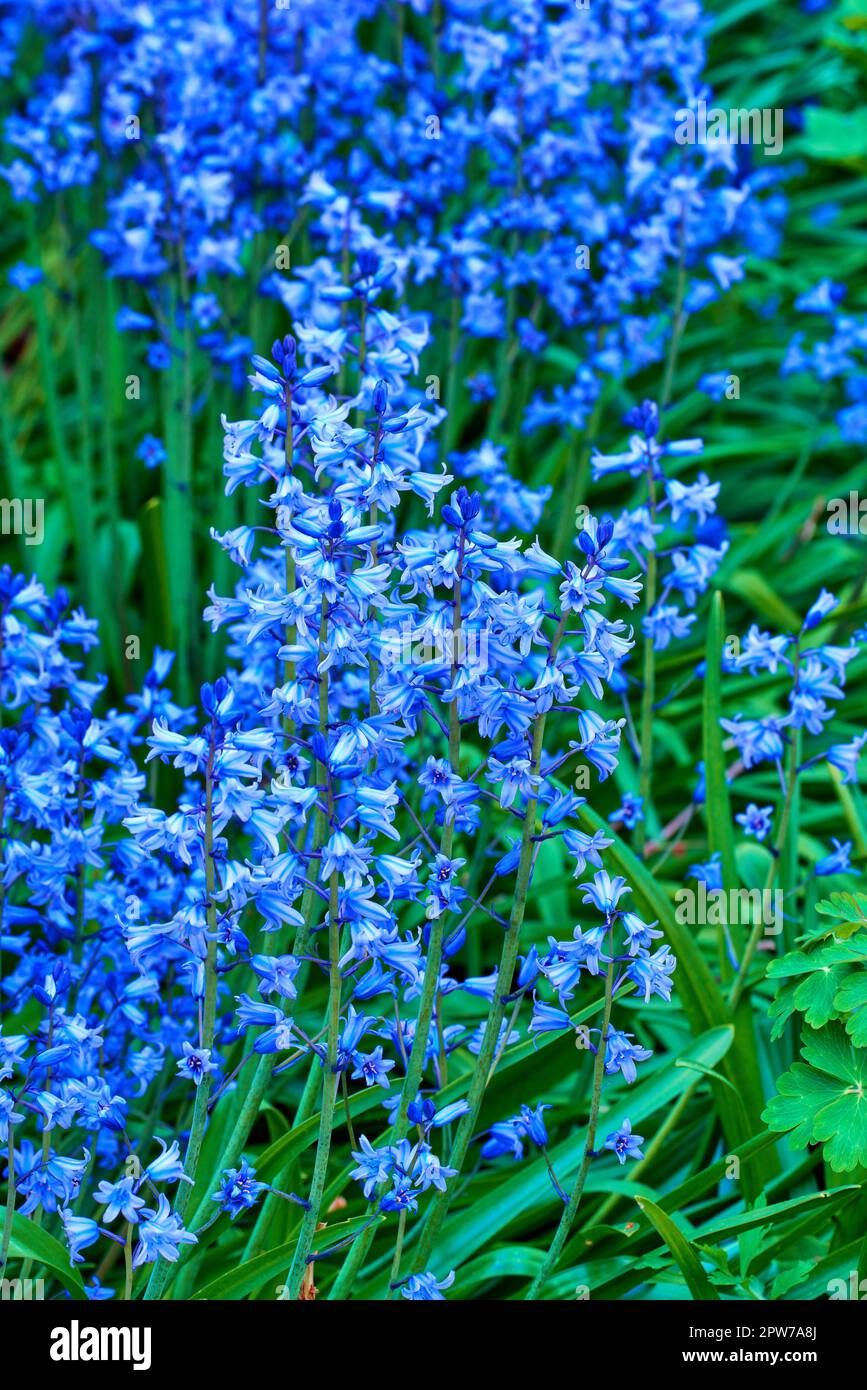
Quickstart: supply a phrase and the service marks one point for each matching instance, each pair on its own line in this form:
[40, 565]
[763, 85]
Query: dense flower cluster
[300, 800]
[838, 358]
[817, 671]
[202, 899]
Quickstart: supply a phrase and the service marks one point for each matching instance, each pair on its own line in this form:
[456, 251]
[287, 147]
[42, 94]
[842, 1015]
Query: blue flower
[756, 820]
[630, 811]
[160, 1234]
[425, 1288]
[837, 862]
[80, 1231]
[119, 1198]
[238, 1190]
[844, 756]
[151, 451]
[24, 277]
[624, 1143]
[196, 1062]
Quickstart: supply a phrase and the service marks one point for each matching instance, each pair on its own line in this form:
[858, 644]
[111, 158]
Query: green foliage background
[134, 548]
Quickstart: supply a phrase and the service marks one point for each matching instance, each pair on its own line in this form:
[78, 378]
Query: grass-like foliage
[432, 630]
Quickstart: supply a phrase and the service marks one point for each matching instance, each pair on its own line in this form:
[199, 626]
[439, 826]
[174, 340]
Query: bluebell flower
[756, 820]
[372, 1068]
[624, 1143]
[167, 1167]
[151, 451]
[837, 862]
[844, 756]
[119, 1198]
[24, 277]
[426, 1288]
[196, 1063]
[629, 812]
[622, 1054]
[160, 1234]
[80, 1232]
[824, 604]
[238, 1190]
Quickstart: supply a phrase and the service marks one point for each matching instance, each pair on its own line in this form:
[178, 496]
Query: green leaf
[815, 996]
[466, 1232]
[781, 1009]
[755, 590]
[822, 1099]
[717, 806]
[682, 1249]
[806, 962]
[272, 1264]
[29, 1242]
[722, 1228]
[702, 999]
[851, 908]
[508, 1261]
[703, 1003]
[837, 135]
[706, 1071]
[754, 862]
[851, 998]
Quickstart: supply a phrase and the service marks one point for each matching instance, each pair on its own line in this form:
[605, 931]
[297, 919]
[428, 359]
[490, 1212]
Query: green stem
[479, 1080]
[162, 1269]
[415, 1067]
[127, 1259]
[256, 1243]
[11, 458]
[329, 1098]
[740, 980]
[571, 1208]
[10, 1203]
[507, 1033]
[648, 693]
[678, 325]
[329, 1071]
[344, 1086]
[576, 483]
[649, 663]
[251, 1105]
[398, 1251]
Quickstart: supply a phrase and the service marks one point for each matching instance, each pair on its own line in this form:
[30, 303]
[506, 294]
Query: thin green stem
[127, 1260]
[648, 694]
[433, 963]
[10, 1202]
[398, 1251]
[577, 469]
[502, 989]
[162, 1269]
[306, 1105]
[310, 1220]
[344, 1086]
[570, 1210]
[329, 1097]
[740, 980]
